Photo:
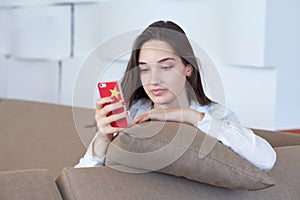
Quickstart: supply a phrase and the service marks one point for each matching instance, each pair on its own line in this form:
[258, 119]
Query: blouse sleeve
[88, 160]
[240, 139]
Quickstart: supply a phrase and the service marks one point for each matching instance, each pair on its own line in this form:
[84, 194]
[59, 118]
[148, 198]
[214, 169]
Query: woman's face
[163, 75]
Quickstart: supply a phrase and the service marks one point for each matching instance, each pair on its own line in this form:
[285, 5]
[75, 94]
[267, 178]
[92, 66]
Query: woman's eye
[144, 69]
[166, 67]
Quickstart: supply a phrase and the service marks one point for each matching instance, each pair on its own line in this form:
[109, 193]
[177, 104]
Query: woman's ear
[189, 70]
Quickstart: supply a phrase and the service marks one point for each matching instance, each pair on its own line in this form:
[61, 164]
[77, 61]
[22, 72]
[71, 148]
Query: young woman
[162, 82]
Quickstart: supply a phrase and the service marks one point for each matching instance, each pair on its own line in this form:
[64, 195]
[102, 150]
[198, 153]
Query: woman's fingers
[142, 118]
[105, 109]
[101, 115]
[108, 131]
[101, 102]
[111, 107]
[103, 122]
[116, 117]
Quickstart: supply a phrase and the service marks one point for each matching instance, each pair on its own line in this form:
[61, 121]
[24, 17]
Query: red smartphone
[113, 89]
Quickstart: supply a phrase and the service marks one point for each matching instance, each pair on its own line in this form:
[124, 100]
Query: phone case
[112, 89]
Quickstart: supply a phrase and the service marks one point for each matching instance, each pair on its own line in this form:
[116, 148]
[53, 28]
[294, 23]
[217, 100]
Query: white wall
[282, 51]
[243, 32]
[251, 93]
[97, 23]
[250, 85]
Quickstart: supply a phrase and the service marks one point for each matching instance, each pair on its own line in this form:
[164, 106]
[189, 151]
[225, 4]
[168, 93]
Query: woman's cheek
[145, 79]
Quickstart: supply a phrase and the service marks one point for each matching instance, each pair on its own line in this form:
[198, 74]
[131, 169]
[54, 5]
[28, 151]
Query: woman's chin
[158, 100]
[161, 101]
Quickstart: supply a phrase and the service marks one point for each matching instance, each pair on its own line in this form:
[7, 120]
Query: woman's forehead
[157, 44]
[155, 50]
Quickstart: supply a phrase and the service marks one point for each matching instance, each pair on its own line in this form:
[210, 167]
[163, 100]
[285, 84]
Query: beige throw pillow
[173, 148]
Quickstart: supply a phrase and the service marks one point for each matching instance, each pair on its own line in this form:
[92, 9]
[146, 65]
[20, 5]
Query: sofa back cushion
[174, 148]
[279, 139]
[110, 184]
[30, 184]
[39, 135]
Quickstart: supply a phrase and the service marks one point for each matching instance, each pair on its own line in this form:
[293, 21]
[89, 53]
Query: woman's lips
[157, 92]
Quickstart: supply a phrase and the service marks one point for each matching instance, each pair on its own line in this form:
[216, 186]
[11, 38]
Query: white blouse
[220, 124]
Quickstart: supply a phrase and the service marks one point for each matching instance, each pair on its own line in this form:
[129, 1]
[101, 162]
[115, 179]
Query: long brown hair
[171, 33]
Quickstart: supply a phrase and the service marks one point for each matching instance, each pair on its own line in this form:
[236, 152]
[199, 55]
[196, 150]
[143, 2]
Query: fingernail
[123, 103]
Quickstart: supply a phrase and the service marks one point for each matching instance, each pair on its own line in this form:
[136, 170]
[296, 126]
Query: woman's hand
[106, 131]
[185, 115]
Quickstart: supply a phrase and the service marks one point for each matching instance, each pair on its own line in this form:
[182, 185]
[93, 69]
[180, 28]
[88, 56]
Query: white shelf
[41, 32]
[4, 33]
[69, 72]
[32, 80]
[251, 94]
[24, 3]
[3, 77]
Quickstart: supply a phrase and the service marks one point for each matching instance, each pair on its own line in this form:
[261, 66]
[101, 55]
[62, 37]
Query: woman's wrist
[192, 116]
[100, 146]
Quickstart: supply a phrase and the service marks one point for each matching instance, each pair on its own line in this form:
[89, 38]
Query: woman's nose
[155, 76]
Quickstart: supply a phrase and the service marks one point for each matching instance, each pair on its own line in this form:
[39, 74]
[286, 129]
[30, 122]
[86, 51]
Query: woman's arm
[96, 152]
[240, 139]
[89, 160]
[184, 115]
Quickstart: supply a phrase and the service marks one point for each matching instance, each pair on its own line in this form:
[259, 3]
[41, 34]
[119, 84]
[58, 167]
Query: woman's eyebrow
[142, 63]
[165, 59]
[160, 61]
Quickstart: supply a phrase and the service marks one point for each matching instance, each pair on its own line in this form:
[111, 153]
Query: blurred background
[255, 45]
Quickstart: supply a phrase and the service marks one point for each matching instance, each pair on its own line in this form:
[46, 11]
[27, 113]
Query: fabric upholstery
[279, 139]
[138, 148]
[107, 183]
[38, 135]
[33, 184]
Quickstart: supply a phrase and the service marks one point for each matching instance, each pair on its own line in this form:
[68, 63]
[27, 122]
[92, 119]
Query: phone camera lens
[102, 85]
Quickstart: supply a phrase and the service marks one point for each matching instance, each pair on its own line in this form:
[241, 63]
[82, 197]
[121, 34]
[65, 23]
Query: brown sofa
[39, 145]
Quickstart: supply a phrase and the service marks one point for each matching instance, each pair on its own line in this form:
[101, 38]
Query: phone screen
[112, 89]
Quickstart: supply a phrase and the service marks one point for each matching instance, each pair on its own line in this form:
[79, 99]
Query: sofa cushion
[278, 139]
[173, 148]
[110, 184]
[30, 184]
[39, 135]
